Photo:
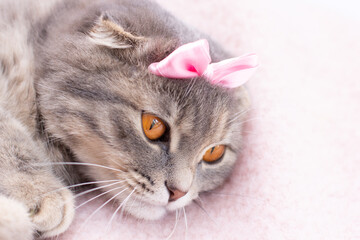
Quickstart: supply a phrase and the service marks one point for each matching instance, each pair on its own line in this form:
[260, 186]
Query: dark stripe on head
[95, 93]
[90, 122]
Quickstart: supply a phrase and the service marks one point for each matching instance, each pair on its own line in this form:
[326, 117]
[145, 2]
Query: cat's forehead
[184, 100]
[194, 109]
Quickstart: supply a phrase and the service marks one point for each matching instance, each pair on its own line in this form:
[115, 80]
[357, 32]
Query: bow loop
[193, 60]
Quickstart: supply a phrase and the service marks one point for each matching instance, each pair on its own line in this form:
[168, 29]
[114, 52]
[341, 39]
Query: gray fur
[84, 74]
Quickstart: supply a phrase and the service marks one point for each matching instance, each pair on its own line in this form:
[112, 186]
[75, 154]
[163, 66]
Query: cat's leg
[25, 178]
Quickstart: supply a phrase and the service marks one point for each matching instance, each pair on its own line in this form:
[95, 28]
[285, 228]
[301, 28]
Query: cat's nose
[175, 193]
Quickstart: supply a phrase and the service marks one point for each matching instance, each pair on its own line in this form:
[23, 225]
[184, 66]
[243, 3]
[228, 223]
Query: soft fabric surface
[298, 177]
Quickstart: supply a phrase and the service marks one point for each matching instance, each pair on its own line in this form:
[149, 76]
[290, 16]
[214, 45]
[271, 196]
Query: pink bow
[193, 60]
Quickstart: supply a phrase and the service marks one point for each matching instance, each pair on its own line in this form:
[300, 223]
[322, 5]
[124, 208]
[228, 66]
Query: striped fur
[73, 86]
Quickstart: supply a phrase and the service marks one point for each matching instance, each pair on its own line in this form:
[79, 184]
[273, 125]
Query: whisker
[186, 224]
[77, 163]
[115, 162]
[132, 204]
[251, 119]
[200, 205]
[78, 185]
[97, 196]
[176, 222]
[200, 200]
[100, 187]
[99, 208]
[189, 88]
[134, 199]
[247, 120]
[113, 216]
[239, 114]
[122, 210]
[248, 132]
[262, 201]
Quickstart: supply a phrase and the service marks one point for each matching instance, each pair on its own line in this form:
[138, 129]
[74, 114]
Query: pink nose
[175, 194]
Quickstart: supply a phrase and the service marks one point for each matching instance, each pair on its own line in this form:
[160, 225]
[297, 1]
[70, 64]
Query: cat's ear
[106, 32]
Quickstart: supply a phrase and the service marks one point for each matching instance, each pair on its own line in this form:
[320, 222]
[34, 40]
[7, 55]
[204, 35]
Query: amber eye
[214, 153]
[153, 127]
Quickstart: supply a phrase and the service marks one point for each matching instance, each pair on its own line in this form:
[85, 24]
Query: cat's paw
[15, 223]
[54, 213]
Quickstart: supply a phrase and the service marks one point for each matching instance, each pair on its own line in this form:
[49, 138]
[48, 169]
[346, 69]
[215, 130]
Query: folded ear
[106, 32]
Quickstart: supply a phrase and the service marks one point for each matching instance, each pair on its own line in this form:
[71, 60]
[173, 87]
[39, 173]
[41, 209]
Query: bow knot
[193, 60]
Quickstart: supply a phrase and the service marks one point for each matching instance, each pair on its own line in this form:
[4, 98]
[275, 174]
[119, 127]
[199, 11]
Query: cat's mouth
[152, 210]
[179, 203]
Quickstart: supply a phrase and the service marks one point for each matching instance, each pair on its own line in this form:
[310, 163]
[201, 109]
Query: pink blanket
[299, 175]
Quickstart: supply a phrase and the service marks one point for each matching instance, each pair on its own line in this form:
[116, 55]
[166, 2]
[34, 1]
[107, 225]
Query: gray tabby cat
[74, 87]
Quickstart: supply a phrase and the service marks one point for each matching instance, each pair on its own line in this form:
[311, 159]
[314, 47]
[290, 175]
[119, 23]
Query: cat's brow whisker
[97, 196]
[176, 222]
[236, 118]
[97, 188]
[79, 185]
[247, 120]
[116, 211]
[189, 88]
[77, 163]
[250, 120]
[99, 208]
[238, 115]
[186, 223]
[249, 132]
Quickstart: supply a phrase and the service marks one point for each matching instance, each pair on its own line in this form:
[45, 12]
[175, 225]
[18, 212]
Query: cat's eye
[153, 127]
[215, 153]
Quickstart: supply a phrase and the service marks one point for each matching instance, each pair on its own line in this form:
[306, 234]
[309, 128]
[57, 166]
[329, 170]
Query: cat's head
[169, 139]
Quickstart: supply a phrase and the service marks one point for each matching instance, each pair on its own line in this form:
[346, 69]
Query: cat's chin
[147, 211]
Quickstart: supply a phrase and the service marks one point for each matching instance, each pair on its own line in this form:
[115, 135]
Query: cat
[78, 103]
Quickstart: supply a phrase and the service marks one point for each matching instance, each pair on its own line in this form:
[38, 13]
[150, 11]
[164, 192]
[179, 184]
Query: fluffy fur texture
[14, 222]
[298, 177]
[75, 84]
